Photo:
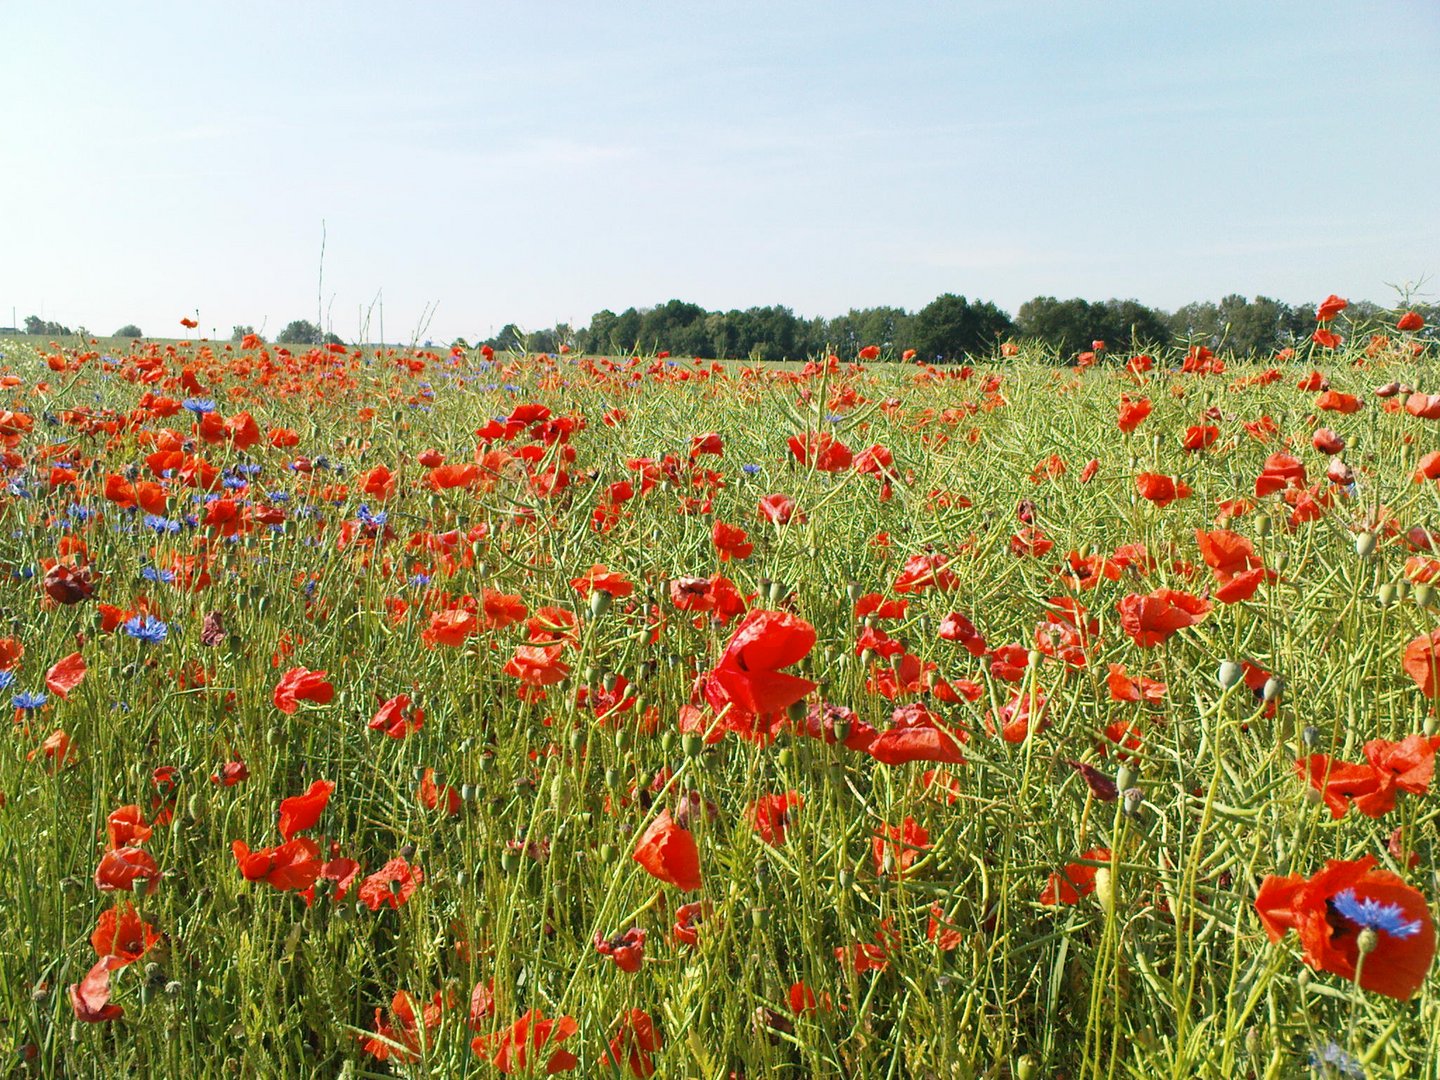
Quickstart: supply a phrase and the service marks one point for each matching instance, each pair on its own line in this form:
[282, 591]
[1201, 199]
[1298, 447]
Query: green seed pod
[577, 740]
[1273, 688]
[1365, 544]
[778, 589]
[1026, 1068]
[787, 757]
[1105, 890]
[842, 730]
[759, 916]
[196, 806]
[1125, 776]
[1424, 595]
[599, 602]
[1229, 674]
[606, 854]
[622, 740]
[853, 592]
[846, 878]
[691, 744]
[1263, 522]
[612, 778]
[1385, 595]
[509, 861]
[1402, 590]
[667, 741]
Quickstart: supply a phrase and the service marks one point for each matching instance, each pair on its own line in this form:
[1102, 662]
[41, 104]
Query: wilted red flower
[668, 852]
[67, 584]
[1332, 910]
[779, 510]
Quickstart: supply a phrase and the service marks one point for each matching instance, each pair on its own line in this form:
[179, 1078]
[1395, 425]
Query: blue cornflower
[6, 678]
[146, 628]
[750, 470]
[375, 520]
[512, 388]
[278, 496]
[199, 405]
[419, 581]
[235, 483]
[29, 702]
[1373, 914]
[76, 512]
[17, 489]
[250, 468]
[834, 418]
[151, 573]
[1336, 1061]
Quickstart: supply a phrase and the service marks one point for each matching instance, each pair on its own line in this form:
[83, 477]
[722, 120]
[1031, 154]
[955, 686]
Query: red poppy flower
[90, 997]
[1078, 879]
[1124, 688]
[289, 867]
[302, 684]
[1331, 306]
[627, 950]
[1088, 472]
[668, 852]
[1132, 413]
[634, 1042]
[65, 675]
[408, 1034]
[67, 584]
[771, 815]
[390, 886]
[122, 935]
[1161, 490]
[894, 848]
[121, 868]
[396, 719]
[301, 812]
[730, 541]
[1411, 320]
[1333, 400]
[821, 450]
[1333, 908]
[600, 579]
[1336, 781]
[1151, 619]
[748, 677]
[779, 510]
[435, 796]
[1200, 437]
[1422, 661]
[511, 1051]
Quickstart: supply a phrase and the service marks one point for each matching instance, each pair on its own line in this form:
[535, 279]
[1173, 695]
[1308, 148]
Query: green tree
[951, 326]
[38, 326]
[129, 330]
[300, 332]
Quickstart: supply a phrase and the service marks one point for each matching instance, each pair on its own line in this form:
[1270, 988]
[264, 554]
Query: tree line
[949, 327]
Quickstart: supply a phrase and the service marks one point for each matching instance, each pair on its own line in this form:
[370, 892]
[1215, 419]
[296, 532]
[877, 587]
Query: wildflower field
[407, 712]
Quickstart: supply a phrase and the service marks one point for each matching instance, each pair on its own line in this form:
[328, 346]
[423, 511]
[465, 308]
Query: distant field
[391, 712]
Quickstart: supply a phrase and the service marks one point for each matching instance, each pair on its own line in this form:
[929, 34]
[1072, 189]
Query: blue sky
[539, 161]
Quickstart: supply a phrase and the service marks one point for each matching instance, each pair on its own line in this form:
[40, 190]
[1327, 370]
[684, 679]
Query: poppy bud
[1365, 544]
[1366, 941]
[622, 740]
[607, 854]
[577, 740]
[1105, 890]
[1402, 589]
[196, 806]
[691, 744]
[796, 712]
[1125, 776]
[758, 917]
[1229, 674]
[1026, 1068]
[610, 681]
[509, 861]
[778, 589]
[846, 878]
[612, 778]
[667, 741]
[1035, 657]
